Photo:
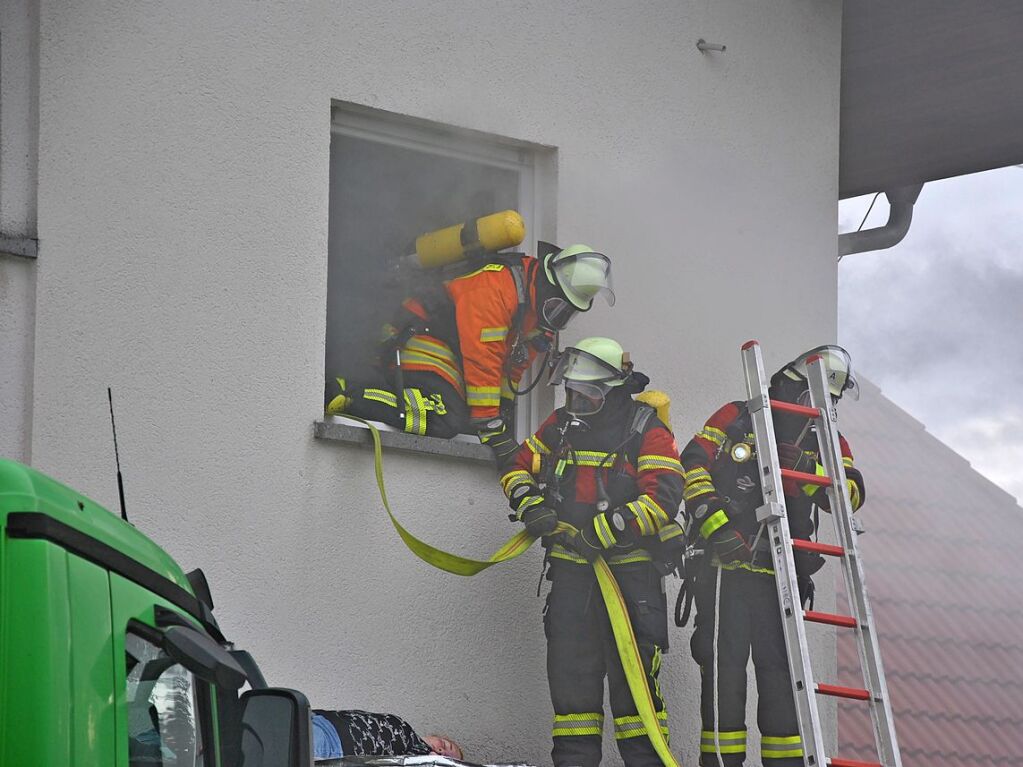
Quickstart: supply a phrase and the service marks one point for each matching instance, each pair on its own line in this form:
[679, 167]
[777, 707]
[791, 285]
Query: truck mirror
[203, 657]
[276, 728]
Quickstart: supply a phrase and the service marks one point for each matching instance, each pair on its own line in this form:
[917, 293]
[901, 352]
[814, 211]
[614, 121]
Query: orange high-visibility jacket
[485, 303]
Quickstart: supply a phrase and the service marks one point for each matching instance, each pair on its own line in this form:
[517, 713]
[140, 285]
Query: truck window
[164, 723]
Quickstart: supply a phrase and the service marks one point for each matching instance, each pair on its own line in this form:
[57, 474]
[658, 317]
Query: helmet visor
[576, 366]
[837, 368]
[584, 398]
[582, 277]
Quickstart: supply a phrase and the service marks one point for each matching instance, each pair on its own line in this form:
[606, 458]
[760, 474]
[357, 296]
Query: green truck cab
[110, 654]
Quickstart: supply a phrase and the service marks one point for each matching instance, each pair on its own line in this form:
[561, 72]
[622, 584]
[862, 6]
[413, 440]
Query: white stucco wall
[183, 177]
[19, 127]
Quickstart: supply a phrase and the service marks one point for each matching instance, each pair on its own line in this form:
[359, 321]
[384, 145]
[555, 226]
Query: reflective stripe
[670, 531]
[514, 479]
[412, 359]
[487, 268]
[653, 462]
[577, 724]
[772, 747]
[534, 444]
[643, 519]
[528, 503]
[415, 412]
[847, 461]
[854, 493]
[632, 726]
[711, 434]
[716, 520]
[696, 474]
[607, 538]
[437, 349]
[732, 742]
[696, 489]
[659, 515]
[639, 555]
[591, 458]
[482, 396]
[380, 395]
[488, 335]
[636, 555]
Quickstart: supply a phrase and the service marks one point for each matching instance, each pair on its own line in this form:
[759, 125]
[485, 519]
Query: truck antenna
[117, 457]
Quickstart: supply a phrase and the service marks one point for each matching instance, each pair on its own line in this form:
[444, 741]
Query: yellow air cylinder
[659, 401]
[489, 233]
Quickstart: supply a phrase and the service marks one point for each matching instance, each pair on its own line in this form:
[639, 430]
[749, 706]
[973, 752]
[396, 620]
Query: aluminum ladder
[772, 514]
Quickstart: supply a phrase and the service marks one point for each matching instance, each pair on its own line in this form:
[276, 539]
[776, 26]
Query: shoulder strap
[640, 419]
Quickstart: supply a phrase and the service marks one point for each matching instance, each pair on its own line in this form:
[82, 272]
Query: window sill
[338, 429]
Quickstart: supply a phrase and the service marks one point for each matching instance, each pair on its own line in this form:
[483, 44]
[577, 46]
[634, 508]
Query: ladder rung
[806, 479]
[837, 762]
[819, 548]
[789, 407]
[853, 693]
[832, 619]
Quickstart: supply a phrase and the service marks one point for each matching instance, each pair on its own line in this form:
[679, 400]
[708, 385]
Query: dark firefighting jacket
[721, 461]
[474, 322]
[571, 469]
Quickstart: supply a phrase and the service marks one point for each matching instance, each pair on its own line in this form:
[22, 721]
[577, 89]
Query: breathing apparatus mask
[589, 374]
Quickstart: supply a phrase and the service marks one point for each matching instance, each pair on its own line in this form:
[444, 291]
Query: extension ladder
[772, 513]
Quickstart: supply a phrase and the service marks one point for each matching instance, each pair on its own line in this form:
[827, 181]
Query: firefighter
[608, 466]
[735, 591]
[465, 346]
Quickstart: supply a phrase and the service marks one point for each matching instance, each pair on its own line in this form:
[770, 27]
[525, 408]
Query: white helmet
[837, 364]
[581, 274]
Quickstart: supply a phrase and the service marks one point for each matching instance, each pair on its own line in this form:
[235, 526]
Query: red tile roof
[944, 569]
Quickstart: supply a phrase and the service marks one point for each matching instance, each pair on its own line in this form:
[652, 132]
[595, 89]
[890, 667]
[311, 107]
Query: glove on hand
[494, 433]
[540, 520]
[730, 545]
[587, 545]
[795, 458]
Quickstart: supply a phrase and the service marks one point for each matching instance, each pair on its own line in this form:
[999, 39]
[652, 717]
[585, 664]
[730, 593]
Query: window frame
[536, 167]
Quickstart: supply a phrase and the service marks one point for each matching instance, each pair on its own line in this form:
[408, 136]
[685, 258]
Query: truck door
[165, 713]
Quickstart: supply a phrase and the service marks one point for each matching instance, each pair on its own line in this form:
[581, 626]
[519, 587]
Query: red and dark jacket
[639, 470]
[713, 467]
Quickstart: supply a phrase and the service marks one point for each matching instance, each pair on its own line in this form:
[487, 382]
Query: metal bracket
[23, 247]
[756, 404]
[770, 512]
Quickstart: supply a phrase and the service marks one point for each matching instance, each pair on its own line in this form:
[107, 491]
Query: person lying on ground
[364, 733]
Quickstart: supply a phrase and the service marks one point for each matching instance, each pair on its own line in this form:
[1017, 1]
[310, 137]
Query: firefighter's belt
[625, 638]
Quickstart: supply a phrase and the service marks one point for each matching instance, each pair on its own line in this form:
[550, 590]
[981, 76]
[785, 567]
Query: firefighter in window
[607, 465]
[457, 352]
[735, 592]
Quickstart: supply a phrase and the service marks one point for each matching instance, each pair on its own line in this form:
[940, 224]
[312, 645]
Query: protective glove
[539, 520]
[586, 544]
[730, 545]
[795, 458]
[495, 433]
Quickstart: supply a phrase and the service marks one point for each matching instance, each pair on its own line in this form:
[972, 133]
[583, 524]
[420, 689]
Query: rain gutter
[900, 216]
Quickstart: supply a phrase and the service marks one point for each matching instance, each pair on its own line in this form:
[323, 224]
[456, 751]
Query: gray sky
[937, 321]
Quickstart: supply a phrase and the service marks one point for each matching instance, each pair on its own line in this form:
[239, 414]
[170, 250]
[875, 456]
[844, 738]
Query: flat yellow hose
[621, 626]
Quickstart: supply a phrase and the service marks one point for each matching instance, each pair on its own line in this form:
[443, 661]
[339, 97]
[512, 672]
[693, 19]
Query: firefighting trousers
[432, 406]
[748, 619]
[581, 652]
